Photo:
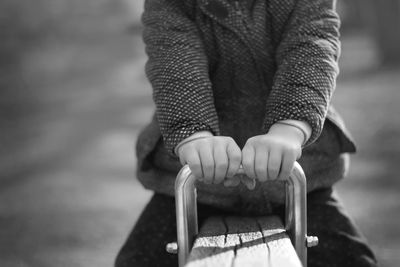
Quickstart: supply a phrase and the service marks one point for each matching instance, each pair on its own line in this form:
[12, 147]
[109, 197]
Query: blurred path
[68, 196]
[368, 98]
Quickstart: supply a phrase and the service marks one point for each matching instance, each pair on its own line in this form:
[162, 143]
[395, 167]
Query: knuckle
[203, 142]
[249, 141]
[229, 139]
[233, 149]
[192, 145]
[215, 141]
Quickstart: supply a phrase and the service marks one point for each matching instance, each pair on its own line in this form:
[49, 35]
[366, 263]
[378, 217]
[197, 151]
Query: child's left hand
[271, 156]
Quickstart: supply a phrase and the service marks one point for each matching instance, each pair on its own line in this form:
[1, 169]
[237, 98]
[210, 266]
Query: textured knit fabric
[235, 68]
[216, 65]
[341, 244]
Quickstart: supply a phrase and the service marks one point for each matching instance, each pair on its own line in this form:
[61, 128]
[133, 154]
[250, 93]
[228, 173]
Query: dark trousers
[340, 243]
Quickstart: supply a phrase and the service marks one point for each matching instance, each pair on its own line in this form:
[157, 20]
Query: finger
[288, 160]
[234, 159]
[248, 156]
[298, 153]
[207, 163]
[250, 183]
[221, 163]
[184, 153]
[193, 160]
[182, 160]
[274, 164]
[232, 182]
[261, 163]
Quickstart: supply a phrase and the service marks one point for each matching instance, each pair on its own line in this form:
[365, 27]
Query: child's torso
[238, 41]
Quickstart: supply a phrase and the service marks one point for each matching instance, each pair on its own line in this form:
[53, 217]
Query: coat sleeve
[306, 58]
[177, 68]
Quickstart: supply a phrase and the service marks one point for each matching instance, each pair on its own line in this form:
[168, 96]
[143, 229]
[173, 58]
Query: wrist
[301, 125]
[195, 136]
[289, 131]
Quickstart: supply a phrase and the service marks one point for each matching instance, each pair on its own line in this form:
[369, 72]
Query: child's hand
[211, 158]
[271, 156]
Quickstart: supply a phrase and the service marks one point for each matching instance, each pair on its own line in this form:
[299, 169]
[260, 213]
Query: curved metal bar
[186, 212]
[296, 211]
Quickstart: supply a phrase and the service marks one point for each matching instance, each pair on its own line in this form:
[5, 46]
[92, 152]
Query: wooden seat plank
[244, 242]
[213, 247]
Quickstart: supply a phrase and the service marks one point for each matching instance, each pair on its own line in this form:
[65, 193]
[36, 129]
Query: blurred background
[73, 97]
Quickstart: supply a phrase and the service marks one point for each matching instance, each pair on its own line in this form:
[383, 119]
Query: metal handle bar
[186, 211]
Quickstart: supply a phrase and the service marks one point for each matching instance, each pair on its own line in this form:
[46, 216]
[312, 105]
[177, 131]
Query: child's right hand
[211, 158]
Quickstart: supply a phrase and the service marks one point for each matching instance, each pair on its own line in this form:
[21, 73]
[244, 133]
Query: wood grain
[244, 242]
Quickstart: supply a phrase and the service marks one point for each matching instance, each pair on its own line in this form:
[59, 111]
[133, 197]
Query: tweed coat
[235, 68]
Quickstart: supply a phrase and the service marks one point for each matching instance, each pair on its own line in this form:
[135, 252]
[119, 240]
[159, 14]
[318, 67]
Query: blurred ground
[68, 196]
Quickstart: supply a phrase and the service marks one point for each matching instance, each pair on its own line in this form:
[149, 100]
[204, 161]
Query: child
[243, 82]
